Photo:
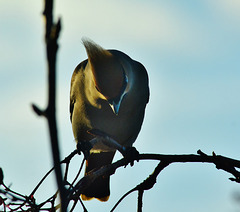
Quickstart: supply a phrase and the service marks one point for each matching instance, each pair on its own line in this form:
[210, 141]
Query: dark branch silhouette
[52, 31]
[16, 201]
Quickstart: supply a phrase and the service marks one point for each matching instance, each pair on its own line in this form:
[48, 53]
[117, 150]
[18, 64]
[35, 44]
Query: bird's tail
[99, 189]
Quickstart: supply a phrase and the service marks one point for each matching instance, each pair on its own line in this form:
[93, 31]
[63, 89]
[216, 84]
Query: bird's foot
[130, 155]
[84, 147]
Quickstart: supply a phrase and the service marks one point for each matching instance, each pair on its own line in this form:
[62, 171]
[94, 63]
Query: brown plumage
[109, 92]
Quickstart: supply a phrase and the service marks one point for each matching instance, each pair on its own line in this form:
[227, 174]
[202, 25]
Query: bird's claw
[84, 147]
[131, 154]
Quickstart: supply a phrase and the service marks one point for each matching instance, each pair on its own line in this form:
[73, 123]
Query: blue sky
[191, 51]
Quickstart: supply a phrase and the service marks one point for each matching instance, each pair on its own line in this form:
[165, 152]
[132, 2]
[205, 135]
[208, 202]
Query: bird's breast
[123, 127]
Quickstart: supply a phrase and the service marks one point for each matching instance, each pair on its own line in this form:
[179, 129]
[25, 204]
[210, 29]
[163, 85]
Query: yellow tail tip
[86, 198]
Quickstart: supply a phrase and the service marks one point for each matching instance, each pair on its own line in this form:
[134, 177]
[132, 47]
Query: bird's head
[109, 76]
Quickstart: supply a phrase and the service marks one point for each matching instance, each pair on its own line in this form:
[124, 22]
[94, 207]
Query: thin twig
[121, 199]
[140, 200]
[66, 160]
[79, 171]
[41, 181]
[13, 192]
[145, 185]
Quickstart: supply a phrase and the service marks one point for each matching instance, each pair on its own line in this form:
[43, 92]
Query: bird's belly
[119, 127]
[123, 127]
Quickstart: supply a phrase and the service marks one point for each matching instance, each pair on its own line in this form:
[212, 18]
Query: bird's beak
[115, 106]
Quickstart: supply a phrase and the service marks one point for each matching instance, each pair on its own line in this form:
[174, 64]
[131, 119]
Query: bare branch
[121, 199]
[145, 185]
[140, 200]
[227, 164]
[19, 201]
[51, 37]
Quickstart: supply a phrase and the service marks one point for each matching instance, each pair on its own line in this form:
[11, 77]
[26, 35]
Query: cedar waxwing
[109, 92]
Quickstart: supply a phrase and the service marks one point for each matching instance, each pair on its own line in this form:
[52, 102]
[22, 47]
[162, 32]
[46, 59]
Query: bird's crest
[94, 51]
[107, 70]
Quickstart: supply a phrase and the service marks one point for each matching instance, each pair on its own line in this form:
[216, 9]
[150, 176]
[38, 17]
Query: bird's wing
[78, 69]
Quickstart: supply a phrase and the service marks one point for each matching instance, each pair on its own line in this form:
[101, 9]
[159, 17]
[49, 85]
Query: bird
[109, 92]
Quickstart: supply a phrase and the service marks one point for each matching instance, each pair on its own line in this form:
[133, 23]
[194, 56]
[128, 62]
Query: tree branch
[20, 201]
[227, 164]
[51, 37]
[140, 200]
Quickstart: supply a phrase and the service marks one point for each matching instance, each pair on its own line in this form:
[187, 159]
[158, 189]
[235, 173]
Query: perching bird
[109, 92]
